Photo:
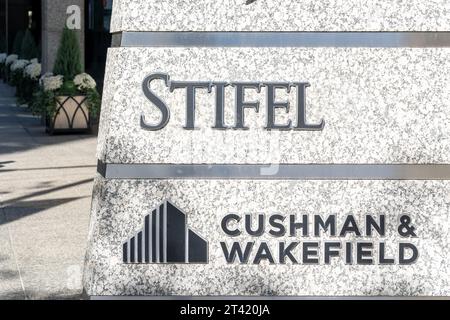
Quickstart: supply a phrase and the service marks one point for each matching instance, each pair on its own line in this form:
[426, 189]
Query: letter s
[150, 95]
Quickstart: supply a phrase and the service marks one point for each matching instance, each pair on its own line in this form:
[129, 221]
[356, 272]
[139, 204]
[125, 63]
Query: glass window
[98, 38]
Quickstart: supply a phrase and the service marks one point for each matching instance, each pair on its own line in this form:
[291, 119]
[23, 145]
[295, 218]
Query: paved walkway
[45, 189]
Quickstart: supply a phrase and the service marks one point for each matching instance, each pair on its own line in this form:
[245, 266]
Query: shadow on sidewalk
[21, 131]
[24, 209]
[46, 168]
[17, 208]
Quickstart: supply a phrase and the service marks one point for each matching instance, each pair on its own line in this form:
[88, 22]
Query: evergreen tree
[68, 57]
[17, 44]
[39, 51]
[2, 44]
[28, 49]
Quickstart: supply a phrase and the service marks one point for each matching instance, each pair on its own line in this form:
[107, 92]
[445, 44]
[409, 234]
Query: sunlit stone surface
[281, 15]
[380, 106]
[120, 205]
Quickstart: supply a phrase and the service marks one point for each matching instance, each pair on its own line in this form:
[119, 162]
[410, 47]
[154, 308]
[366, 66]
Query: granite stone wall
[281, 15]
[381, 106]
[53, 21]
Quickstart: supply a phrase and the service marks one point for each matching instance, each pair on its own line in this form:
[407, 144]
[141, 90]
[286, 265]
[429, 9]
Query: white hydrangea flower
[19, 64]
[11, 58]
[45, 75]
[3, 57]
[35, 60]
[83, 81]
[33, 70]
[51, 83]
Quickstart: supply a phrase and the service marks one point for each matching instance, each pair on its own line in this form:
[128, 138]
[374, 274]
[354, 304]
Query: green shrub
[16, 78]
[68, 89]
[2, 44]
[68, 58]
[72, 83]
[39, 50]
[53, 86]
[28, 48]
[29, 86]
[15, 73]
[43, 103]
[95, 101]
[2, 65]
[17, 44]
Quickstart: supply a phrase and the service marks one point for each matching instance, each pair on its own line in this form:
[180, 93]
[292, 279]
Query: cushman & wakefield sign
[166, 238]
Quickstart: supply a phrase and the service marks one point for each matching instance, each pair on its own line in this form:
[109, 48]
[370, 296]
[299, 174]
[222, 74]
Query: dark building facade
[46, 20]
[97, 37]
[16, 15]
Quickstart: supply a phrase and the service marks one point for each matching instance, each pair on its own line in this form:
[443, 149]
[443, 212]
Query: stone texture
[120, 205]
[280, 15]
[379, 105]
[53, 21]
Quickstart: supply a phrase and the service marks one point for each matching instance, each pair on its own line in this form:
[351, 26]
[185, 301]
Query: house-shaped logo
[165, 238]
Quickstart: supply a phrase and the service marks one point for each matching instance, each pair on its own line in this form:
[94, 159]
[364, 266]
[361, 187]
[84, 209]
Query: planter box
[72, 115]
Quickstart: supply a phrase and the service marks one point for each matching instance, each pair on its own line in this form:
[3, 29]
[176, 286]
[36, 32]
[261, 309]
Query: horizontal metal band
[277, 172]
[265, 298]
[282, 39]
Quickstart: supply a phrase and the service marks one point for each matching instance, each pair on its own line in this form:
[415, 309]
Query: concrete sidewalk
[45, 190]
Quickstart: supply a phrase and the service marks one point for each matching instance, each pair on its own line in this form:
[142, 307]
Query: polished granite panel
[119, 208]
[280, 15]
[379, 106]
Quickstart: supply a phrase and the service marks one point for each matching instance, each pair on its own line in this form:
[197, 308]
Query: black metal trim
[50, 123]
[101, 168]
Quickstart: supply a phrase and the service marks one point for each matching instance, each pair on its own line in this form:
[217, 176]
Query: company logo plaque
[301, 163]
[165, 238]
